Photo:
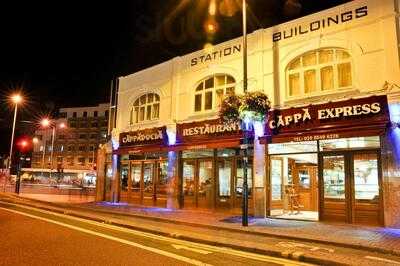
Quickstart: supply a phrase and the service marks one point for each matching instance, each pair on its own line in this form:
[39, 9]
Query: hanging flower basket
[254, 107]
[251, 107]
[229, 109]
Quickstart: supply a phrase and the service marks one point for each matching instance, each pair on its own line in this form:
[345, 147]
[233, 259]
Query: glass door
[136, 177]
[351, 187]
[224, 184]
[366, 188]
[204, 184]
[334, 188]
[162, 183]
[239, 182]
[124, 177]
[148, 183]
[189, 170]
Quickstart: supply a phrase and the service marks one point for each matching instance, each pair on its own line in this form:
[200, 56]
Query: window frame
[213, 90]
[318, 67]
[134, 115]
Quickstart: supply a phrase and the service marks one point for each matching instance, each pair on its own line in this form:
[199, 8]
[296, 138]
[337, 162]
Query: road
[31, 236]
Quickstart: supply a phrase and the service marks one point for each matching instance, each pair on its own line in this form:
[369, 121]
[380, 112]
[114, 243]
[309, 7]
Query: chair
[293, 198]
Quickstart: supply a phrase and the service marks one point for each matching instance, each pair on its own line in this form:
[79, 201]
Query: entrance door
[136, 177]
[189, 172]
[366, 189]
[225, 184]
[351, 187]
[161, 183]
[204, 184]
[198, 183]
[335, 188]
[148, 183]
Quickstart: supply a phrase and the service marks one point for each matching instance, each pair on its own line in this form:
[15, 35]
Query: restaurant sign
[351, 113]
[207, 130]
[154, 136]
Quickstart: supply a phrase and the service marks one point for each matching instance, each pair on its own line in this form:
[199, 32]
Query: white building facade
[327, 152]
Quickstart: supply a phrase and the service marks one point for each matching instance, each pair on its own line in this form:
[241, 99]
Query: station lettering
[209, 57]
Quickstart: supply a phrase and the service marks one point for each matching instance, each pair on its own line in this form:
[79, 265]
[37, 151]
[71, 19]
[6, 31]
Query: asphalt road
[36, 237]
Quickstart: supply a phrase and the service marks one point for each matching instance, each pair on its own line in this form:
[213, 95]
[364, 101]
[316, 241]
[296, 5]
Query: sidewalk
[73, 199]
[383, 240]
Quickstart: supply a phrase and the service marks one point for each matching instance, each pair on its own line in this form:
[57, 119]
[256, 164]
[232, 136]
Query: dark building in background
[78, 133]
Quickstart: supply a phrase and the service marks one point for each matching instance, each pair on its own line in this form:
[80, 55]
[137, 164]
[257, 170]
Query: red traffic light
[24, 144]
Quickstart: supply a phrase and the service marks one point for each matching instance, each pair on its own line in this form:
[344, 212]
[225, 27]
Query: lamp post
[47, 123]
[245, 192]
[211, 28]
[16, 99]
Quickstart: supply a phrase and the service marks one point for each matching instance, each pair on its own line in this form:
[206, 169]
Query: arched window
[211, 91]
[145, 108]
[319, 71]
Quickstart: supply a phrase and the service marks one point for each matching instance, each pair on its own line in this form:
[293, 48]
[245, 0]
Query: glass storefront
[144, 178]
[214, 178]
[346, 172]
[294, 180]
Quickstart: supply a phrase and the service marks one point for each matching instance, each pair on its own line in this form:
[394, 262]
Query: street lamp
[15, 99]
[245, 194]
[211, 27]
[47, 123]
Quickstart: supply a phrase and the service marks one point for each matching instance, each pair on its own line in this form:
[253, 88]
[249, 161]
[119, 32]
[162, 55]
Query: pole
[43, 155]
[245, 194]
[11, 145]
[110, 108]
[52, 149]
[18, 179]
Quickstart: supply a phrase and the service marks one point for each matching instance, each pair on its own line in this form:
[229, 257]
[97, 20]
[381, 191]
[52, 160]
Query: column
[259, 172]
[115, 184]
[101, 174]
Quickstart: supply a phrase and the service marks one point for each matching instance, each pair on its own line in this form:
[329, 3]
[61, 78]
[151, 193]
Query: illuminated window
[210, 92]
[319, 71]
[145, 108]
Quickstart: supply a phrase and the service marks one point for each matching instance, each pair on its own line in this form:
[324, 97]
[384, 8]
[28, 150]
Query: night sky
[65, 53]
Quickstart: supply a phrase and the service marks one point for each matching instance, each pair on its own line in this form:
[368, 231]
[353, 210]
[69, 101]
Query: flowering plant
[229, 109]
[253, 106]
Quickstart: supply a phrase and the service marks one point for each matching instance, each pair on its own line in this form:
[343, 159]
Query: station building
[329, 151]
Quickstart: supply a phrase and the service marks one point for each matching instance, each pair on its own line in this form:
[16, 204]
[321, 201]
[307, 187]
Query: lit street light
[48, 123]
[16, 99]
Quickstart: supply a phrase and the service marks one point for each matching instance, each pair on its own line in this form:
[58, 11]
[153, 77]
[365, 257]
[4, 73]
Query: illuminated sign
[325, 113]
[143, 137]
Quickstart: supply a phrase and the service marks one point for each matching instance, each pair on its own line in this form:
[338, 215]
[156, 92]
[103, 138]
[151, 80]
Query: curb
[219, 228]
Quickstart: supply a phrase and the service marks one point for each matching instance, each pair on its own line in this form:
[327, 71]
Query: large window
[210, 92]
[145, 108]
[319, 71]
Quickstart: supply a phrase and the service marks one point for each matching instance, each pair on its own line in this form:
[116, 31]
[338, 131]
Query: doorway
[198, 183]
[294, 186]
[144, 182]
[351, 190]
